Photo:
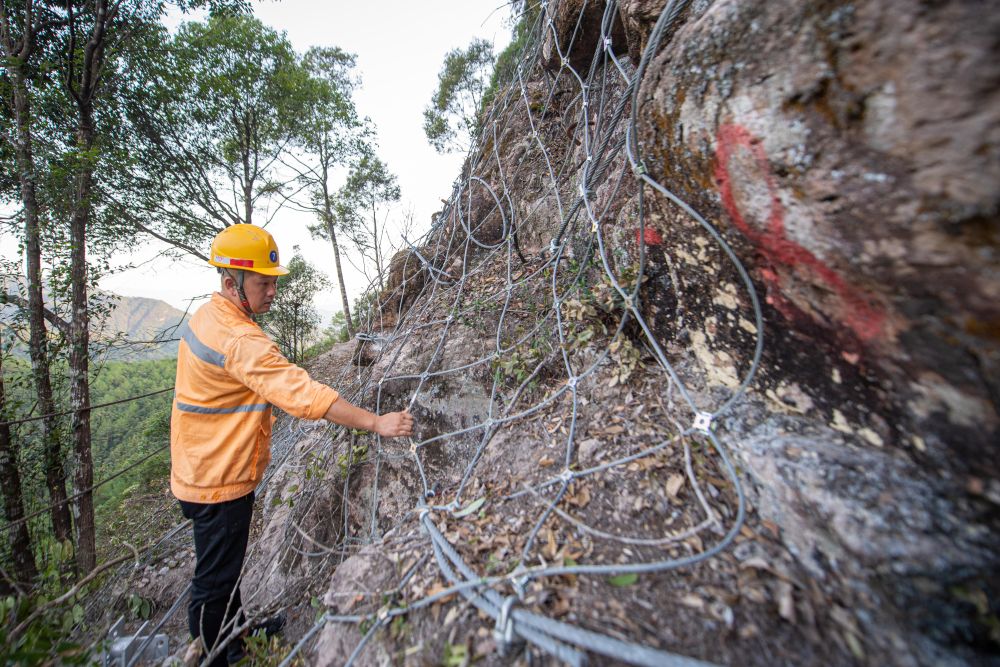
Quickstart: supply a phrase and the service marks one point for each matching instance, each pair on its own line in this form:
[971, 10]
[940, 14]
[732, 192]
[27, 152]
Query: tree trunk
[79, 359]
[55, 477]
[340, 273]
[84, 90]
[22, 553]
[375, 242]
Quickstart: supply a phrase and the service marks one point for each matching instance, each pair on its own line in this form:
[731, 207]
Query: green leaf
[626, 579]
[470, 508]
[77, 614]
[455, 655]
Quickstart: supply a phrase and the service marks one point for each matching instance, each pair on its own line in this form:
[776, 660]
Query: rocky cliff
[703, 353]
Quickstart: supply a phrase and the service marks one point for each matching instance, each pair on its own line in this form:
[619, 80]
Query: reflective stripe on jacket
[229, 373]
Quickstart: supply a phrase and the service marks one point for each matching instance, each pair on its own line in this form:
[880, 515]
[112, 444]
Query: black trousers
[221, 532]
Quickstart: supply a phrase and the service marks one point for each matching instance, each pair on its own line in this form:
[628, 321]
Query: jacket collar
[229, 307]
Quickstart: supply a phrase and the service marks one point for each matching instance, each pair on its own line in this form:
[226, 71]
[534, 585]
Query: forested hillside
[118, 133]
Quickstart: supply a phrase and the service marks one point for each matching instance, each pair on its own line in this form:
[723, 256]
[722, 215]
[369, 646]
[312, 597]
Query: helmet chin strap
[238, 279]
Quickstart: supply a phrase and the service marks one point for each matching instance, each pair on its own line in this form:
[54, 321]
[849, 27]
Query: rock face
[851, 154]
[847, 155]
[850, 151]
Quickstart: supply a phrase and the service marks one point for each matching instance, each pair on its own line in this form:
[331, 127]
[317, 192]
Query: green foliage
[293, 320]
[398, 627]
[455, 655]
[140, 607]
[451, 120]
[44, 639]
[357, 454]
[214, 108]
[365, 307]
[242, 82]
[621, 580]
[521, 362]
[122, 435]
[506, 63]
[334, 333]
[369, 189]
[586, 317]
[264, 651]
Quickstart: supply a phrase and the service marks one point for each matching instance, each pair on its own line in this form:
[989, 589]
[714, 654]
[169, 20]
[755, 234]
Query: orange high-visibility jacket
[229, 373]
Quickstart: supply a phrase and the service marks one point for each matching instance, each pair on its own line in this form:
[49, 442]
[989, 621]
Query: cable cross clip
[640, 169]
[702, 422]
[503, 633]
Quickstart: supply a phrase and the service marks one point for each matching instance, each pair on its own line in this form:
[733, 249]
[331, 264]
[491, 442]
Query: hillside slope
[702, 354]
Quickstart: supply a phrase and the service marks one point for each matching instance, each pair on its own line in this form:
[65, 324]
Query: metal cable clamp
[702, 422]
[503, 633]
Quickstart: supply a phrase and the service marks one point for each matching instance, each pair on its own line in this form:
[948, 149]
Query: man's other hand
[394, 424]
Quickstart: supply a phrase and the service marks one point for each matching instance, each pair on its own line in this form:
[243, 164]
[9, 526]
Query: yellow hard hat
[246, 247]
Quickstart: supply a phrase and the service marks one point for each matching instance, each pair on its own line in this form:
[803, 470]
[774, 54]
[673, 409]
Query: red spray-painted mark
[651, 236]
[859, 314]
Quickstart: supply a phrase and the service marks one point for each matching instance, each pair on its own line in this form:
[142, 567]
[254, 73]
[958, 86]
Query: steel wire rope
[86, 408]
[80, 494]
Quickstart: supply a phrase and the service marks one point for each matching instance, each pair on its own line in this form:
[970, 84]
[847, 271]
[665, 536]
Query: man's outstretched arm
[389, 425]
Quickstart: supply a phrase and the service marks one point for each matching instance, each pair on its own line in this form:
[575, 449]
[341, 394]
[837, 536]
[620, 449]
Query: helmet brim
[266, 270]
[272, 271]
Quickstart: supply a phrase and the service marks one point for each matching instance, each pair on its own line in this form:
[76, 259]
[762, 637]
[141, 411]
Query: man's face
[260, 290]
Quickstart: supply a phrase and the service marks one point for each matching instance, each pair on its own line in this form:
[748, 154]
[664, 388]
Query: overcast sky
[400, 45]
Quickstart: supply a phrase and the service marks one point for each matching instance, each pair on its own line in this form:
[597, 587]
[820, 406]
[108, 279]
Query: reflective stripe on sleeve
[201, 409]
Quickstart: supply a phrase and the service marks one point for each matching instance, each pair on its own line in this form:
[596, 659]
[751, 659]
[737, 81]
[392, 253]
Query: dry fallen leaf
[561, 607]
[550, 545]
[452, 614]
[437, 588]
[347, 606]
[693, 601]
[579, 496]
[786, 603]
[754, 594]
[546, 461]
[674, 484]
[756, 562]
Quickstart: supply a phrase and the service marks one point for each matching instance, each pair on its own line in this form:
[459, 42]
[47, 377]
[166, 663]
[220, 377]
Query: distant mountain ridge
[141, 327]
[141, 319]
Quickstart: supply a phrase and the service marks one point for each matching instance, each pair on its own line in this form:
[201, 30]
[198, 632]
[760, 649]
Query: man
[229, 374]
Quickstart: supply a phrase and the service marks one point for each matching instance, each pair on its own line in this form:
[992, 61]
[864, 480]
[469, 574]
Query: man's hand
[394, 424]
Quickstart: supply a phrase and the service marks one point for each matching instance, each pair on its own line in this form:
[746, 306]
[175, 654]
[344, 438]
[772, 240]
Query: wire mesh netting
[541, 334]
